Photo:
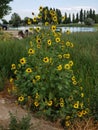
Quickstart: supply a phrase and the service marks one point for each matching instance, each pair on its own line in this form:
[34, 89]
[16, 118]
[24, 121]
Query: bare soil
[13, 32]
[7, 104]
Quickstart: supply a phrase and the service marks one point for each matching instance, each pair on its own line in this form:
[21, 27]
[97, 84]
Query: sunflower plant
[45, 79]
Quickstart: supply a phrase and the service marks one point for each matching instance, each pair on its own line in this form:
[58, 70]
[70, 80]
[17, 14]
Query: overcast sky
[26, 7]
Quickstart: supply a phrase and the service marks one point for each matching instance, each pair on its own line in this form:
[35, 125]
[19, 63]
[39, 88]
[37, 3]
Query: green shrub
[46, 80]
[89, 21]
[16, 124]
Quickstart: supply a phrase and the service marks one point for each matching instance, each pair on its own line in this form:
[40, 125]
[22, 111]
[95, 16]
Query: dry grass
[86, 124]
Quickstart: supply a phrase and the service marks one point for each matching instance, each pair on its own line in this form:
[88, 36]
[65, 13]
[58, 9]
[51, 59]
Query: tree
[69, 19]
[4, 21]
[4, 8]
[59, 15]
[73, 18]
[96, 18]
[81, 15]
[77, 18]
[89, 21]
[65, 19]
[93, 15]
[85, 15]
[15, 20]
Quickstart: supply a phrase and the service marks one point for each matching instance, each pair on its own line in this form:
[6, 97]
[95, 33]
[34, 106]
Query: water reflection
[64, 29]
[78, 29]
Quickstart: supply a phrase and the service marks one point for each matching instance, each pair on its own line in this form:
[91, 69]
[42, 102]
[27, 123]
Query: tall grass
[85, 55]
[10, 52]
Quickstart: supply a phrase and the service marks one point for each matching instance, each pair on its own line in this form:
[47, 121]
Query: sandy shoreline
[13, 32]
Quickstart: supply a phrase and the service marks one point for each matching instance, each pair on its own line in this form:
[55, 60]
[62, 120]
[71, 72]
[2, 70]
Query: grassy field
[84, 54]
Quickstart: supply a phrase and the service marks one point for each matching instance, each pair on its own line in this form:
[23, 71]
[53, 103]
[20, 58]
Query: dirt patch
[7, 104]
[13, 32]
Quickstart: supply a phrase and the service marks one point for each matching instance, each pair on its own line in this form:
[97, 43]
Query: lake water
[79, 29]
[64, 29]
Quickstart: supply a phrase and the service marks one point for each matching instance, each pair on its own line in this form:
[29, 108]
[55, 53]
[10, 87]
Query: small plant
[2, 80]
[16, 124]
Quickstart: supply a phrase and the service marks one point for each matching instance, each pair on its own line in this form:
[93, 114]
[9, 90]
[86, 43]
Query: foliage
[10, 51]
[88, 124]
[2, 80]
[84, 54]
[15, 20]
[4, 7]
[16, 124]
[89, 21]
[4, 36]
[86, 67]
[45, 78]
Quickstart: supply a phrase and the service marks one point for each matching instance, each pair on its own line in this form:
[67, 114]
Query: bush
[16, 124]
[89, 21]
[45, 79]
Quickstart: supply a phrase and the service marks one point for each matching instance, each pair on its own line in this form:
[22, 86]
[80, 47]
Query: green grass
[10, 52]
[85, 55]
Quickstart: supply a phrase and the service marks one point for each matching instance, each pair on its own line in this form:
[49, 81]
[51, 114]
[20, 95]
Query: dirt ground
[7, 104]
[13, 32]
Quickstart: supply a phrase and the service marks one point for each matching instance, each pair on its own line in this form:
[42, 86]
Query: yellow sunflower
[59, 67]
[31, 51]
[71, 63]
[46, 60]
[11, 80]
[22, 61]
[74, 82]
[29, 22]
[61, 104]
[28, 70]
[80, 114]
[36, 103]
[57, 39]
[38, 40]
[68, 32]
[50, 103]
[53, 27]
[67, 55]
[46, 23]
[76, 105]
[34, 19]
[67, 117]
[60, 56]
[21, 99]
[49, 42]
[68, 43]
[55, 18]
[40, 8]
[67, 66]
[37, 77]
[67, 123]
[37, 95]
[61, 100]
[84, 112]
[38, 29]
[13, 67]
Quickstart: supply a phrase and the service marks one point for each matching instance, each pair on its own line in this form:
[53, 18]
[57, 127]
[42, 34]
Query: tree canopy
[4, 7]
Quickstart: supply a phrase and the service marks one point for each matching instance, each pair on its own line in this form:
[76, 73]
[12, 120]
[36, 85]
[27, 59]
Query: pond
[64, 29]
[79, 29]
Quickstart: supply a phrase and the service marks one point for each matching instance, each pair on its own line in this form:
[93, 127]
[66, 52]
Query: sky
[25, 7]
